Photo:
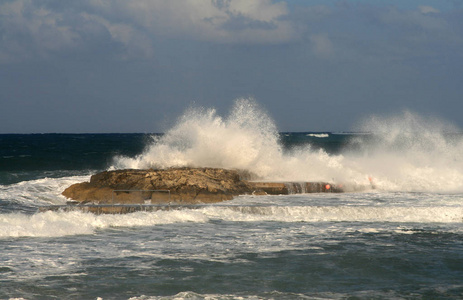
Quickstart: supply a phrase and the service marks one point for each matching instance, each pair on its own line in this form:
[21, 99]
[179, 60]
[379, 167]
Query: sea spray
[246, 139]
[409, 152]
[404, 153]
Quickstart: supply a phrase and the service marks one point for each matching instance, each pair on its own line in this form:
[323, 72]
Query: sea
[396, 233]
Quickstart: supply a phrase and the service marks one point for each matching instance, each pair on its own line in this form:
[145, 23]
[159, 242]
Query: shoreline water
[365, 245]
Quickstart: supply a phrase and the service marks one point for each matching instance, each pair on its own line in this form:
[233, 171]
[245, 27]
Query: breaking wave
[406, 152]
[319, 135]
[409, 152]
[55, 224]
[246, 139]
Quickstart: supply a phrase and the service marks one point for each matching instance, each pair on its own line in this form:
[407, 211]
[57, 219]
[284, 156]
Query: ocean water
[397, 235]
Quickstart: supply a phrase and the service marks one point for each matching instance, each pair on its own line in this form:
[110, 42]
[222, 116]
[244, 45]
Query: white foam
[412, 153]
[406, 153]
[195, 296]
[43, 191]
[398, 214]
[247, 139]
[319, 135]
[52, 224]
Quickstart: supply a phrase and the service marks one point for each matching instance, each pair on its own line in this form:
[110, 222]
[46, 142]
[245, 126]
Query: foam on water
[403, 153]
[386, 294]
[319, 135]
[346, 214]
[195, 296]
[53, 224]
[43, 191]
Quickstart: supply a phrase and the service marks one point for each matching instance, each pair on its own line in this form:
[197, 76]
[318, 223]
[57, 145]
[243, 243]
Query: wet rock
[180, 185]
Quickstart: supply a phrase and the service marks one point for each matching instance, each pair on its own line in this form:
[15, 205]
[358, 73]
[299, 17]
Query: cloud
[134, 29]
[423, 32]
[40, 28]
[28, 30]
[428, 10]
[223, 21]
[422, 18]
[136, 42]
[322, 45]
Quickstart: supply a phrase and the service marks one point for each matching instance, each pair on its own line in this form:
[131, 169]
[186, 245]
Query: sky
[102, 66]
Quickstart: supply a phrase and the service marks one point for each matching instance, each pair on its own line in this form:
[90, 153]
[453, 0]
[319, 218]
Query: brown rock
[184, 185]
[181, 185]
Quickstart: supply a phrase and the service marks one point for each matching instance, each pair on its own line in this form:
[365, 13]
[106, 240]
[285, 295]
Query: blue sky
[135, 66]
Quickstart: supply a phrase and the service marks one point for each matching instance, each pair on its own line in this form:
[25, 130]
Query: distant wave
[318, 135]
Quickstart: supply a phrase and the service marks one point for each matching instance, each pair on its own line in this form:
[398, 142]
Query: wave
[240, 296]
[368, 294]
[318, 135]
[402, 153]
[32, 193]
[246, 139]
[55, 224]
[400, 214]
[409, 152]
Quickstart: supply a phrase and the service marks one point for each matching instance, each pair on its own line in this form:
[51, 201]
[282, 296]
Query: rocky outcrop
[179, 185]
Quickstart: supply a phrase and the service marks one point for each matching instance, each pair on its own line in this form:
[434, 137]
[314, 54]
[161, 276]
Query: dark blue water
[32, 156]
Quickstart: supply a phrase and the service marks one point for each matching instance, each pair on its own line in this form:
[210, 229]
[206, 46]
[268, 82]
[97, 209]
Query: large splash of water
[246, 139]
[411, 153]
[407, 153]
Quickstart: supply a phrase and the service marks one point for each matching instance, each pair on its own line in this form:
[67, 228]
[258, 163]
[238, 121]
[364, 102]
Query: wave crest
[246, 139]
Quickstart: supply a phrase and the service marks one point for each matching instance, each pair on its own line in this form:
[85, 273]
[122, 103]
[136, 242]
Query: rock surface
[180, 185]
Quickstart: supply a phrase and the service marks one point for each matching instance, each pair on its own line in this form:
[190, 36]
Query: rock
[180, 185]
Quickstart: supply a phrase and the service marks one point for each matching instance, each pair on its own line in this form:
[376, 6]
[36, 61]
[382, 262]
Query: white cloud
[31, 28]
[28, 28]
[422, 18]
[136, 43]
[428, 10]
[263, 10]
[36, 28]
[259, 21]
[322, 45]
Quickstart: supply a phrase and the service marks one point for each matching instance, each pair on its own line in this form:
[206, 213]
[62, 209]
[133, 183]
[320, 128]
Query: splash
[246, 139]
[409, 152]
[403, 153]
